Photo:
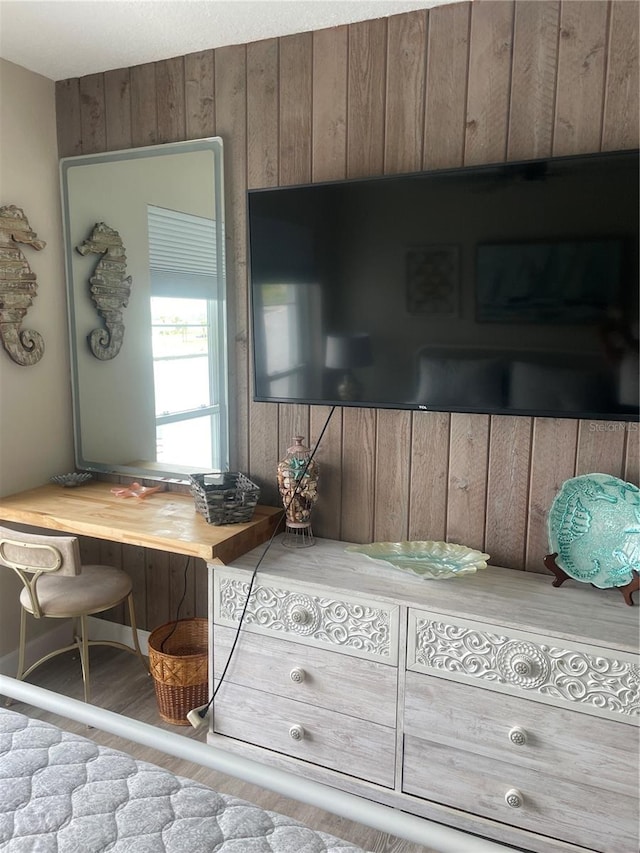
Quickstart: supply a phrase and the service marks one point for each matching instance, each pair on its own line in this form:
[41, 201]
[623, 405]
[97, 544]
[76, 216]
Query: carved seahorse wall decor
[110, 289]
[17, 287]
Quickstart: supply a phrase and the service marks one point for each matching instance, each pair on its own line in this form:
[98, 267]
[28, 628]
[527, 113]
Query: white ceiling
[71, 38]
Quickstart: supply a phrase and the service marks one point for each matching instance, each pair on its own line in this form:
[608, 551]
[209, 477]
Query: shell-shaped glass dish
[430, 560]
[76, 478]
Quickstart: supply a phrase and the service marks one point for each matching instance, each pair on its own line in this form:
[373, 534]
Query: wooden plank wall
[460, 84]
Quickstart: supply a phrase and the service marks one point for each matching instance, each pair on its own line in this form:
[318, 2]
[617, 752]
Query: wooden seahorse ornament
[17, 287]
[110, 289]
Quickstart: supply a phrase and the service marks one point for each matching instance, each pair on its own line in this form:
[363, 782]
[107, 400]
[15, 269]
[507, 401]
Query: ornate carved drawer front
[365, 750]
[581, 677]
[580, 814]
[554, 741]
[360, 688]
[359, 627]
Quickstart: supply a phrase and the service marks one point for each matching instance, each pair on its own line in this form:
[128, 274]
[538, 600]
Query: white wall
[36, 439]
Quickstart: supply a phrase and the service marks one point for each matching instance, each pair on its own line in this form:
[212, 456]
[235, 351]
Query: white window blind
[182, 254]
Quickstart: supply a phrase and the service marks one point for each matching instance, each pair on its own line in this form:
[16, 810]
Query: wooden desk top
[165, 521]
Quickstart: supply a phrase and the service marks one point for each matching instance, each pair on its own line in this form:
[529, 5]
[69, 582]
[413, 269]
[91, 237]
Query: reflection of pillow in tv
[545, 387]
[460, 382]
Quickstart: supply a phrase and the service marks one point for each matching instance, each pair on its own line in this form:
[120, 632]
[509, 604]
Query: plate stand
[561, 576]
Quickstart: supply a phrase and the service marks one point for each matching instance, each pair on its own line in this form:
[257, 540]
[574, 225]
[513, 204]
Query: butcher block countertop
[165, 521]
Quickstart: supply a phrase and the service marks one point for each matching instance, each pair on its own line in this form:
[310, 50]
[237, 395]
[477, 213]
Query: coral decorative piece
[431, 560]
[110, 289]
[594, 533]
[18, 287]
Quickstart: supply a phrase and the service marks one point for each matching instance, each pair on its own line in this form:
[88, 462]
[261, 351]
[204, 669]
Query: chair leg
[21, 647]
[84, 656]
[23, 643]
[134, 630]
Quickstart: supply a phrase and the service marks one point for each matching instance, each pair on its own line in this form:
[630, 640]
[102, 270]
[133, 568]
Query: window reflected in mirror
[159, 408]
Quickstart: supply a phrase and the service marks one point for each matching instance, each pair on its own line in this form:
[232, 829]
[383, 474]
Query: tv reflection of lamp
[346, 352]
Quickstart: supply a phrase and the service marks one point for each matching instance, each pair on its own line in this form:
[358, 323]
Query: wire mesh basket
[179, 666]
[226, 498]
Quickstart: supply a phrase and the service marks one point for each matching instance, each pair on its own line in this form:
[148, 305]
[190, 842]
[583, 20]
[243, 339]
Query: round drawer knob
[522, 665]
[518, 736]
[513, 798]
[296, 732]
[299, 615]
[297, 675]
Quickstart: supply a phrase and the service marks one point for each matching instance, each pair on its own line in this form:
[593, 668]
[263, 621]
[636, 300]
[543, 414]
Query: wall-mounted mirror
[144, 247]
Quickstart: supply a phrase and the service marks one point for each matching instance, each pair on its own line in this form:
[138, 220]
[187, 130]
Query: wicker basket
[178, 660]
[229, 501]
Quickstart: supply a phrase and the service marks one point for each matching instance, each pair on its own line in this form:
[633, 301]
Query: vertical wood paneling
[468, 455]
[231, 124]
[329, 128]
[293, 420]
[392, 481]
[553, 459]
[631, 471]
[69, 126]
[133, 563]
[621, 106]
[201, 587]
[199, 113]
[581, 64]
[160, 608]
[262, 114]
[462, 83]
[367, 75]
[327, 513]
[600, 448]
[429, 467]
[295, 108]
[262, 171]
[489, 81]
[507, 489]
[533, 82]
[110, 554]
[144, 121]
[446, 100]
[92, 118]
[406, 76]
[182, 597]
[358, 474]
[170, 102]
[117, 103]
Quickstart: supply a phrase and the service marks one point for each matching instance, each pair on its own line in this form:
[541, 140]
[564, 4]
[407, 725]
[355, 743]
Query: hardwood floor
[120, 684]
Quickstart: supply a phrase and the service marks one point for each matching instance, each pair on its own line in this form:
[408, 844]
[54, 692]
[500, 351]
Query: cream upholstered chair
[56, 585]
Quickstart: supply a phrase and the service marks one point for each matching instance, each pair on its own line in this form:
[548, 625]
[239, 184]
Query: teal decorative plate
[432, 560]
[594, 527]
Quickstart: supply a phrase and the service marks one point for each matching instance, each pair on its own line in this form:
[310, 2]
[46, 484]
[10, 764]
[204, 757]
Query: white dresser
[493, 702]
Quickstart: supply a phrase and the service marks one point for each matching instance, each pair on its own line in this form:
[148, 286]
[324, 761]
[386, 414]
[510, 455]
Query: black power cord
[180, 603]
[198, 715]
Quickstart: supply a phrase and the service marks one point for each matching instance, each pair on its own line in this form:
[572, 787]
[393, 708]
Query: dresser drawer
[359, 688]
[558, 742]
[362, 749]
[356, 626]
[580, 814]
[582, 678]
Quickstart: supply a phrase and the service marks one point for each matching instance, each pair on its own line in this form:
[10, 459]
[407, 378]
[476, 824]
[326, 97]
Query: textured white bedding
[62, 793]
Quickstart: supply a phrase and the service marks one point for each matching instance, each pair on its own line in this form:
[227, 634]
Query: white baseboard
[102, 629]
[60, 635]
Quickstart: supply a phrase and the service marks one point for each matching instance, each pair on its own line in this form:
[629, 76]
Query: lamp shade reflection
[344, 353]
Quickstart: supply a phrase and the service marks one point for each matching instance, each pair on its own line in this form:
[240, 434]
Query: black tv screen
[509, 288]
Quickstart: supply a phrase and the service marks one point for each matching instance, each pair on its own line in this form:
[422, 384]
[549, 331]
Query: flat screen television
[508, 288]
